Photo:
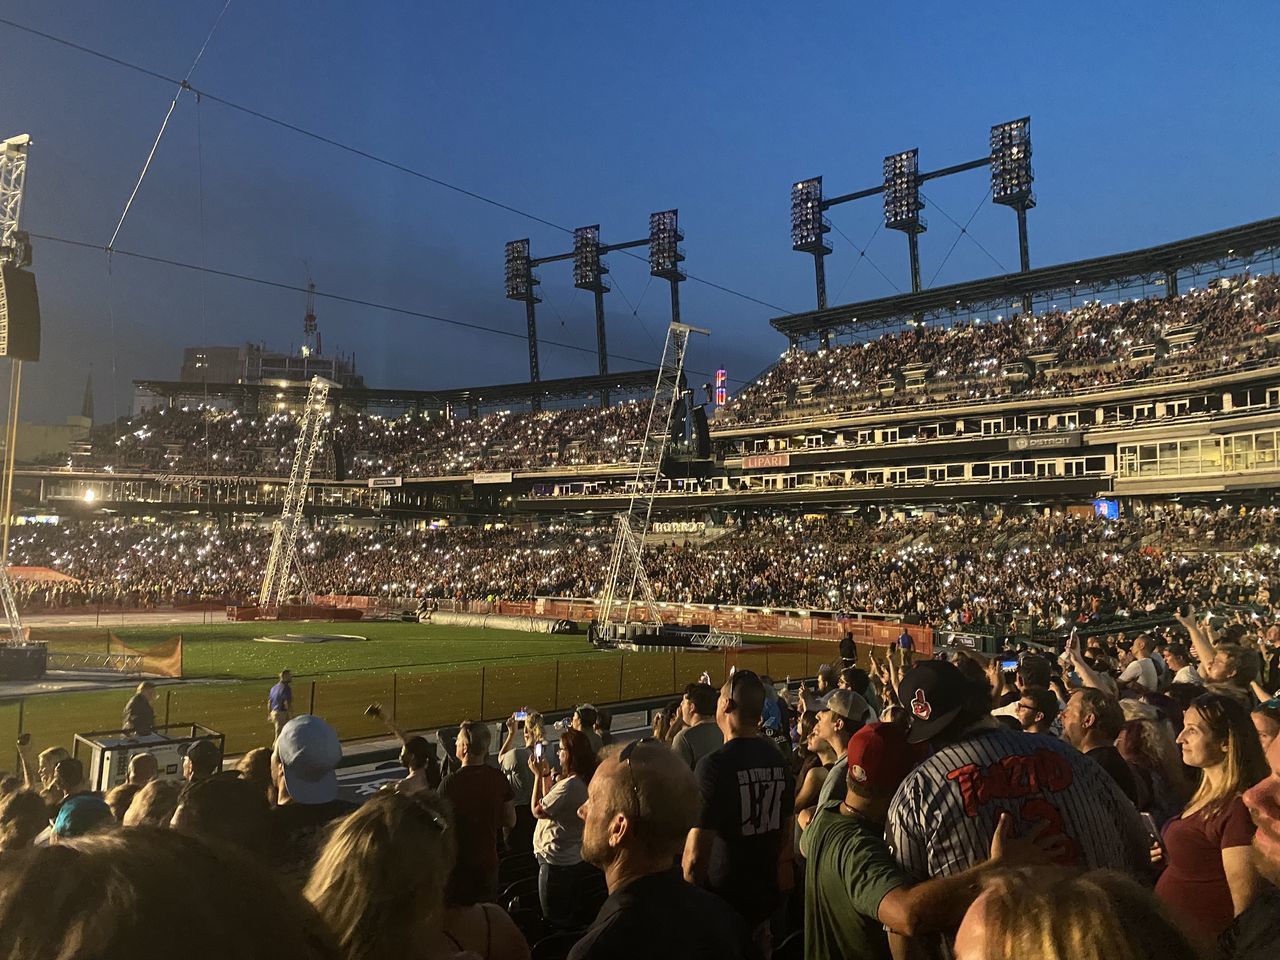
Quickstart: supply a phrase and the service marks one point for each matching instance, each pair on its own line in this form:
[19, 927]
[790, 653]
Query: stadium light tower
[588, 274]
[1009, 160]
[1012, 176]
[520, 283]
[665, 254]
[808, 228]
[902, 204]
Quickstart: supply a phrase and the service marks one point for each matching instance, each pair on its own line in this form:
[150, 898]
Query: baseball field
[426, 675]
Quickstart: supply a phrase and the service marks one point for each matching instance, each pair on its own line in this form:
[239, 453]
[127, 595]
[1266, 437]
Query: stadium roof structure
[1158, 265]
[566, 387]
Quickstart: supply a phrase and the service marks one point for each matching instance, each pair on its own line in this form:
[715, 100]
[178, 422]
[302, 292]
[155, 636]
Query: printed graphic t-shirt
[748, 796]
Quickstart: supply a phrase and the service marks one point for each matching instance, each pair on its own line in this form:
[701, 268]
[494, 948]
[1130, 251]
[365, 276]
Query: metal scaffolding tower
[283, 559]
[626, 565]
[15, 251]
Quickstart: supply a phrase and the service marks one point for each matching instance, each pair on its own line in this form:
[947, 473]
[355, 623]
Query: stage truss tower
[15, 251]
[283, 559]
[627, 585]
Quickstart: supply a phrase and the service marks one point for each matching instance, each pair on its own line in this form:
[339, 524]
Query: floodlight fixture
[519, 272]
[665, 254]
[807, 222]
[588, 270]
[902, 204]
[1011, 172]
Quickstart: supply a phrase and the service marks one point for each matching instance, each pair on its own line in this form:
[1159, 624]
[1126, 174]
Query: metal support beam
[602, 349]
[913, 247]
[1024, 252]
[534, 376]
[1171, 283]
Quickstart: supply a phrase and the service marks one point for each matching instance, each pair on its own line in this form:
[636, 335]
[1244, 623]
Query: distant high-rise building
[253, 363]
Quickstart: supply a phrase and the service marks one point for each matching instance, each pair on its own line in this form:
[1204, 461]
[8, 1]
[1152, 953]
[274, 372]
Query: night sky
[1150, 122]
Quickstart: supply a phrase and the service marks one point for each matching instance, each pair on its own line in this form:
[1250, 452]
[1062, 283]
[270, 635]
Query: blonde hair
[380, 880]
[153, 805]
[1244, 765]
[535, 727]
[120, 799]
[124, 893]
[1055, 914]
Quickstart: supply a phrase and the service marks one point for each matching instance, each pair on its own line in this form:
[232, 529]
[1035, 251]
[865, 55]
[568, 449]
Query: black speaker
[677, 421]
[701, 432]
[339, 460]
[19, 315]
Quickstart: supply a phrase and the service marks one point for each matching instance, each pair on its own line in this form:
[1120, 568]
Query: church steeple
[86, 405]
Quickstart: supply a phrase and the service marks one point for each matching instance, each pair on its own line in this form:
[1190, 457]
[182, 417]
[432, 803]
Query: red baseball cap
[880, 756]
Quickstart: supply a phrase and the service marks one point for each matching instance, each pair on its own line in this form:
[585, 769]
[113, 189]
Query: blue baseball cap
[310, 751]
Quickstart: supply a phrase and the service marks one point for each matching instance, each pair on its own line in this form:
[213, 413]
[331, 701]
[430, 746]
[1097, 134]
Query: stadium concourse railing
[432, 696]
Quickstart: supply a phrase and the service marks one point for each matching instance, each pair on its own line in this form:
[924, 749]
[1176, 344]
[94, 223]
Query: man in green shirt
[856, 895]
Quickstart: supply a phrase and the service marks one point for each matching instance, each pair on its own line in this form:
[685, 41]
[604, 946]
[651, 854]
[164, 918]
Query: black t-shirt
[748, 796]
[299, 831]
[660, 917]
[1110, 760]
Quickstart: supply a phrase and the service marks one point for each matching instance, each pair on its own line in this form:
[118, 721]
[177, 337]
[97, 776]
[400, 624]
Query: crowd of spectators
[205, 440]
[962, 361]
[1114, 798]
[950, 571]
[1092, 342]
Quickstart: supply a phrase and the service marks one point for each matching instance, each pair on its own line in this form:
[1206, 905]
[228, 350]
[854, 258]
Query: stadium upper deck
[1144, 395]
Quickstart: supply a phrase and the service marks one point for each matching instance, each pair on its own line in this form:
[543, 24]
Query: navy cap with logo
[934, 693]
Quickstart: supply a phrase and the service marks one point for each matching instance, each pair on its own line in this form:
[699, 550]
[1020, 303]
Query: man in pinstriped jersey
[944, 814]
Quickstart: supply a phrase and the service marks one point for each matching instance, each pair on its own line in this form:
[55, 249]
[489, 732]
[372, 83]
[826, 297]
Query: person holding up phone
[526, 738]
[557, 838]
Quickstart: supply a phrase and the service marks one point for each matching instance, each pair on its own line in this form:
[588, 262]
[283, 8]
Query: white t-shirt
[1188, 674]
[557, 839]
[1142, 672]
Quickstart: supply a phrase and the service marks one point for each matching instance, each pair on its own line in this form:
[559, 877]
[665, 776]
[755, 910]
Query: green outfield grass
[228, 650]
[431, 676]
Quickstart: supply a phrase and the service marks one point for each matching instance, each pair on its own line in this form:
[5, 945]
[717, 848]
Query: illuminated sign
[722, 391]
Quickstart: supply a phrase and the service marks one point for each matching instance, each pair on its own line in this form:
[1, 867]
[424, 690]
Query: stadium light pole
[588, 274]
[808, 228]
[665, 254]
[902, 204]
[1009, 159]
[1011, 179]
[520, 284]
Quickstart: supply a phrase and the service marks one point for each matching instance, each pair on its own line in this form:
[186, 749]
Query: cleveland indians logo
[920, 706]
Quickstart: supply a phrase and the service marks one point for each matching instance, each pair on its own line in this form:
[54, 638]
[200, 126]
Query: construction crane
[310, 328]
[15, 251]
[627, 575]
[283, 559]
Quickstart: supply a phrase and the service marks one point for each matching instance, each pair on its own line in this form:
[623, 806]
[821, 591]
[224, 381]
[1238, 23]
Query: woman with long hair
[1049, 913]
[379, 884]
[557, 838]
[1209, 875]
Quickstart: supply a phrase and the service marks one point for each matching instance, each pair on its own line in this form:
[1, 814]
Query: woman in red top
[1209, 875]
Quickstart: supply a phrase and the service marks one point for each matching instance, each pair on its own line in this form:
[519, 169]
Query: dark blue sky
[1150, 121]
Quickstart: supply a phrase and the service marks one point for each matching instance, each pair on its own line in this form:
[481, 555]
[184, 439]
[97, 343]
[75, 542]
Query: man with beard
[641, 803]
[1255, 934]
